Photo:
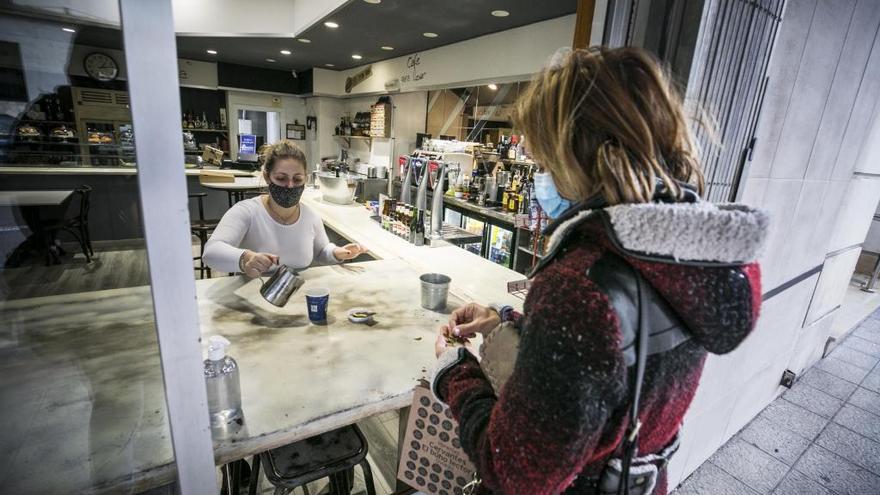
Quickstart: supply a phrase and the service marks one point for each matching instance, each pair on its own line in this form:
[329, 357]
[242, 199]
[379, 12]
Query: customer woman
[274, 229]
[632, 247]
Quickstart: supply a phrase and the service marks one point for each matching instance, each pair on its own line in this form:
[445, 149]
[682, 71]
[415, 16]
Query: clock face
[101, 67]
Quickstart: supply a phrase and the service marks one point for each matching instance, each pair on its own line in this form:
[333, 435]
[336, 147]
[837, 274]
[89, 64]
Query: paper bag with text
[431, 458]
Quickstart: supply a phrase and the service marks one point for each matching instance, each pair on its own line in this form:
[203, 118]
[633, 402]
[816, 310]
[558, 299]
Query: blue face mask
[548, 197]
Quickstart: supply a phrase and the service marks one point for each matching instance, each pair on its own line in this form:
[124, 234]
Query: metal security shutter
[727, 81]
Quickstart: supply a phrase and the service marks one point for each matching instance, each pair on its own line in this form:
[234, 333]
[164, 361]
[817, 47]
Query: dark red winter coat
[563, 411]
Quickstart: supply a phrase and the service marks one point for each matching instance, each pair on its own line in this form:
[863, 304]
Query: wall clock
[101, 67]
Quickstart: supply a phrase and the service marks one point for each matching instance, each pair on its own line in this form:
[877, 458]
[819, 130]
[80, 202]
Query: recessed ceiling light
[285, 52]
[374, 2]
[329, 65]
[429, 35]
[304, 40]
[68, 30]
[493, 86]
[500, 13]
[356, 56]
[388, 48]
[211, 52]
[270, 60]
[331, 24]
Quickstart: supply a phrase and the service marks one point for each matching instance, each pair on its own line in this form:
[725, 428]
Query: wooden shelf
[349, 138]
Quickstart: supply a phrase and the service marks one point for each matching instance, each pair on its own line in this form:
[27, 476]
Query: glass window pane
[81, 385]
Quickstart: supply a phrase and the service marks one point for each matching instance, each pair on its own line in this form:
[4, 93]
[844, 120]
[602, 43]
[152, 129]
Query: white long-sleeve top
[247, 225]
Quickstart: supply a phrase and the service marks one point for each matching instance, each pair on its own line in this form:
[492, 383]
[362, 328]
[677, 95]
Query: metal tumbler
[435, 290]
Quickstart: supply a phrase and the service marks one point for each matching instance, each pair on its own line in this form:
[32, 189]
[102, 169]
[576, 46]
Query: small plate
[359, 319]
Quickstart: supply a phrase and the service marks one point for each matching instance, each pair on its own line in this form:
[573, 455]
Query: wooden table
[81, 385]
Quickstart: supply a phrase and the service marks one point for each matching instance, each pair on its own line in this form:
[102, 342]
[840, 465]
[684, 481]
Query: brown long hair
[608, 121]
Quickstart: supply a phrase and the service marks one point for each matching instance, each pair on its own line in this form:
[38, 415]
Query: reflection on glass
[477, 113]
[81, 387]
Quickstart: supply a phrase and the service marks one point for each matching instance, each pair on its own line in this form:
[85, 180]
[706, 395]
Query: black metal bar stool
[76, 223]
[202, 228]
[329, 455]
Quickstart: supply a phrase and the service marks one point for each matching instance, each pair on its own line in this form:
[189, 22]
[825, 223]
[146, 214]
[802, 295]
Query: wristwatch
[503, 311]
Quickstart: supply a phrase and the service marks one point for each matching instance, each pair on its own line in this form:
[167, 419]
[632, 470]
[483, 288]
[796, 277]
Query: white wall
[410, 114]
[512, 55]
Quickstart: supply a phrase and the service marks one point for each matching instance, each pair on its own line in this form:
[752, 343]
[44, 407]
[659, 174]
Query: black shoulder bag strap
[631, 440]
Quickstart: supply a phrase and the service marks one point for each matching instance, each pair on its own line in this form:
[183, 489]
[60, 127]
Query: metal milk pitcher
[280, 286]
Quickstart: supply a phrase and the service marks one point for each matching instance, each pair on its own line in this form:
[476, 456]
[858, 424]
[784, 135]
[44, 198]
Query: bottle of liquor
[419, 229]
[411, 228]
[510, 203]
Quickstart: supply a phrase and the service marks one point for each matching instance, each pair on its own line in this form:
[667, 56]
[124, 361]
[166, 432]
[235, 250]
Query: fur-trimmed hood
[699, 232]
[700, 257]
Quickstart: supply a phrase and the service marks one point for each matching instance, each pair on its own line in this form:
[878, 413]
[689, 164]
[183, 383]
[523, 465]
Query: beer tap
[437, 204]
[405, 195]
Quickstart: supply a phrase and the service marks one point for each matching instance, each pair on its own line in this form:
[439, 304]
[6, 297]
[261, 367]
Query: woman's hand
[444, 342]
[254, 264]
[349, 251]
[469, 320]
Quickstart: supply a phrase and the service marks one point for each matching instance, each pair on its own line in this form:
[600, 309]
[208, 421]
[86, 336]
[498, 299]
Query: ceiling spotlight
[285, 52]
[270, 60]
[388, 48]
[68, 30]
[429, 35]
[500, 13]
[374, 2]
[493, 86]
[304, 40]
[211, 52]
[331, 24]
[356, 56]
[329, 65]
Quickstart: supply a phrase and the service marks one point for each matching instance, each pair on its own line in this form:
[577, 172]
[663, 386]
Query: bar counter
[104, 418]
[50, 170]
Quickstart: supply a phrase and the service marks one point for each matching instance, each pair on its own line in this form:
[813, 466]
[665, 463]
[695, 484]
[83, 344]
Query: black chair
[330, 455]
[76, 224]
[202, 228]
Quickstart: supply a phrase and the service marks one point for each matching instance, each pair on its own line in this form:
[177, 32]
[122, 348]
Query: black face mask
[286, 197]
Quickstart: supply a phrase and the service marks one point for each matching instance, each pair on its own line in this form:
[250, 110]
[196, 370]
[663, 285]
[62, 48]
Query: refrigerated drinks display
[500, 245]
[474, 227]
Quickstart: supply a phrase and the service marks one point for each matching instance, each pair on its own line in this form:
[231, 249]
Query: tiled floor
[821, 437]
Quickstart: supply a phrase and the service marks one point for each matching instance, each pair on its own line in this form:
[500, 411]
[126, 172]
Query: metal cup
[280, 286]
[435, 290]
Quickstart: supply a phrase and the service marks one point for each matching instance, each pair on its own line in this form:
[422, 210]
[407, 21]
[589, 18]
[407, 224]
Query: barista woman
[274, 228]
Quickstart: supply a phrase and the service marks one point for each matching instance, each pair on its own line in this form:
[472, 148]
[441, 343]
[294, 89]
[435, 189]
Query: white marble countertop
[99, 171]
[33, 198]
[474, 278]
[82, 387]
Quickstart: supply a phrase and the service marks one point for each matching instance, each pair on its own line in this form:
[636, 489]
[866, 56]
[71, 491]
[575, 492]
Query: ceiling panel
[363, 29]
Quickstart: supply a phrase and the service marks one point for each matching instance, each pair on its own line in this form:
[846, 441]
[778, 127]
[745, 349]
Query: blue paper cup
[316, 301]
